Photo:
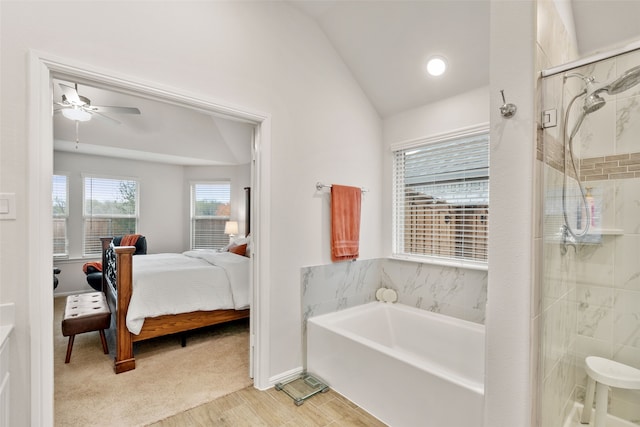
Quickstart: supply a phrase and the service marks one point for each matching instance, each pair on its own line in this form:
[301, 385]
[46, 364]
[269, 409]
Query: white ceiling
[385, 44]
[162, 132]
[604, 23]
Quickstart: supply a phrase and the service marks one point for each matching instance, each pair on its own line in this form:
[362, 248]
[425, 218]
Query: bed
[162, 294]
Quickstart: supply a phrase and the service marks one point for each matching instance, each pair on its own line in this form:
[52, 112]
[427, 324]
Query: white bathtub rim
[408, 357]
[331, 318]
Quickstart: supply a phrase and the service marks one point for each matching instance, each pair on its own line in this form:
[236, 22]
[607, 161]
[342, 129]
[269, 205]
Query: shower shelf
[591, 238]
[612, 231]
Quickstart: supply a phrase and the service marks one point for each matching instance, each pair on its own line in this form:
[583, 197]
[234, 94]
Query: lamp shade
[231, 227]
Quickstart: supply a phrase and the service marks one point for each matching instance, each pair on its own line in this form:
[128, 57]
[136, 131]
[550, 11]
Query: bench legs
[69, 348]
[103, 338]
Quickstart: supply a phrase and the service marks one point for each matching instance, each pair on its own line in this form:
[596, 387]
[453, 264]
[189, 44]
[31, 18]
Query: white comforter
[191, 281]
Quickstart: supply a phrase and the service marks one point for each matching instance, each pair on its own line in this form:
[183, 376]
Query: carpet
[168, 378]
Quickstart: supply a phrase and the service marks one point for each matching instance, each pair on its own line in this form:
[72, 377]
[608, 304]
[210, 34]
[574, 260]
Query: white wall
[264, 56]
[462, 111]
[508, 389]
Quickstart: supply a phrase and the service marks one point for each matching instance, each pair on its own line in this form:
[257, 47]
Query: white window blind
[110, 209]
[210, 210]
[60, 208]
[441, 199]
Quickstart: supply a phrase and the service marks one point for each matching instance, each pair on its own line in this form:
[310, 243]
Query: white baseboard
[285, 376]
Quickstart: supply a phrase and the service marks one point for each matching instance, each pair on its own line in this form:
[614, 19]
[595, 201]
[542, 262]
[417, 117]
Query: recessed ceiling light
[436, 66]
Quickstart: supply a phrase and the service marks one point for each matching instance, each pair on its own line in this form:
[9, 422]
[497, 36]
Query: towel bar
[320, 186]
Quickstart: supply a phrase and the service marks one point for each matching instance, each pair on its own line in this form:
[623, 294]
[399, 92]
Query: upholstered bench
[85, 313]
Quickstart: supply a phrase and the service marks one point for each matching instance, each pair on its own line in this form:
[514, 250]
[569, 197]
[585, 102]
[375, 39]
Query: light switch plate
[7, 206]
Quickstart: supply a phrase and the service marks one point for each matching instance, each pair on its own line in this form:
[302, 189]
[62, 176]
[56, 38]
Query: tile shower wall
[553, 311]
[607, 273]
[590, 301]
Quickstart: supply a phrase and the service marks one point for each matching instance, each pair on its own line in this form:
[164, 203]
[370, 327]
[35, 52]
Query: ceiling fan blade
[117, 110]
[71, 94]
[101, 116]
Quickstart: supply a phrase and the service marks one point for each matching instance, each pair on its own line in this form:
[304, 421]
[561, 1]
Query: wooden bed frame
[153, 326]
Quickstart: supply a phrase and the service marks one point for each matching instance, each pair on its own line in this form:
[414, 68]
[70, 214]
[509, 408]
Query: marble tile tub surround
[333, 287]
[452, 291]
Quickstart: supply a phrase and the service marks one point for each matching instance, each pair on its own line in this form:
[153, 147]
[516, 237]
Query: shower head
[626, 81]
[592, 103]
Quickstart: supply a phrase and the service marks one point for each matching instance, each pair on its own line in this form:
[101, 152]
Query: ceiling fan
[78, 108]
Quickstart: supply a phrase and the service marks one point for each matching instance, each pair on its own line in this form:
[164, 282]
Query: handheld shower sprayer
[592, 102]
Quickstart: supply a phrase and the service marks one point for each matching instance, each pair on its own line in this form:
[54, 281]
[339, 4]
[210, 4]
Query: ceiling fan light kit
[78, 108]
[76, 114]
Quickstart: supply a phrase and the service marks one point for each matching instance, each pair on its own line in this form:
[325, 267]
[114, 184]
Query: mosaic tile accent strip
[620, 166]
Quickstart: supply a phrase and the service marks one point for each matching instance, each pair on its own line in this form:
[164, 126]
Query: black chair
[94, 276]
[56, 270]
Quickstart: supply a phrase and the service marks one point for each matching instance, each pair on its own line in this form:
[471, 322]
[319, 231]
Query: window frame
[86, 216]
[193, 217]
[64, 215]
[397, 226]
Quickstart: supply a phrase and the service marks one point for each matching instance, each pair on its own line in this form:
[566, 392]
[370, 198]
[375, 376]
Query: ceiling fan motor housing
[85, 101]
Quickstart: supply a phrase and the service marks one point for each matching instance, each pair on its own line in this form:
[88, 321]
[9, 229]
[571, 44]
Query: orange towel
[129, 239]
[345, 222]
[95, 264]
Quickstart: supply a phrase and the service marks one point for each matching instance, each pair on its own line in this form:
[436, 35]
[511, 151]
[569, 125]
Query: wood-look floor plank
[252, 407]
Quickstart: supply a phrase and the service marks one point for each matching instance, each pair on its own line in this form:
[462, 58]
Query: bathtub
[405, 366]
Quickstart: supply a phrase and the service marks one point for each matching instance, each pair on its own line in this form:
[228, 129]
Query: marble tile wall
[333, 287]
[558, 313]
[607, 273]
[455, 292]
[608, 293]
[553, 310]
[590, 297]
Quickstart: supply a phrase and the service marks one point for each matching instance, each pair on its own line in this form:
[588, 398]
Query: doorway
[43, 68]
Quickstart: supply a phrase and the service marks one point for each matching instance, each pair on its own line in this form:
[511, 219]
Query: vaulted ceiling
[385, 44]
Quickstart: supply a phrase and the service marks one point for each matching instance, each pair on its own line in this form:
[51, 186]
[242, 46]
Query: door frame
[42, 68]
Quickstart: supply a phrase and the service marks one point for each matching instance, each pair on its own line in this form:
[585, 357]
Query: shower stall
[590, 285]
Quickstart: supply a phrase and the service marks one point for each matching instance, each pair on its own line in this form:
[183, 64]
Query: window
[60, 204]
[210, 210]
[441, 198]
[110, 209]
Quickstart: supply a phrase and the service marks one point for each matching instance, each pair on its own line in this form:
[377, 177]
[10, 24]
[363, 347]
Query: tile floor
[251, 407]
